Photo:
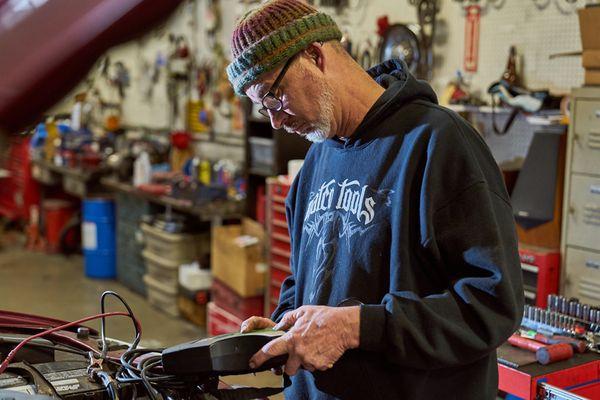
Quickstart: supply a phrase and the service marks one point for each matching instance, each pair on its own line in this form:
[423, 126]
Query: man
[405, 271]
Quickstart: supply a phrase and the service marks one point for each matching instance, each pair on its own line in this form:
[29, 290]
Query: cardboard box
[589, 27]
[591, 58]
[243, 269]
[192, 311]
[592, 76]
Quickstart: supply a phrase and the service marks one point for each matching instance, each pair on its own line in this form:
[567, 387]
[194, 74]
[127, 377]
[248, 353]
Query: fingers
[256, 323]
[272, 349]
[292, 365]
[289, 319]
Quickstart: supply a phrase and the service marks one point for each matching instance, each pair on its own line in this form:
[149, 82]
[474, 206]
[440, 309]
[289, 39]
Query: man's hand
[317, 338]
[255, 324]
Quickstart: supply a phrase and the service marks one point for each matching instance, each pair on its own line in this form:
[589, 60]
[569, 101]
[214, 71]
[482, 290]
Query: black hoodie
[409, 216]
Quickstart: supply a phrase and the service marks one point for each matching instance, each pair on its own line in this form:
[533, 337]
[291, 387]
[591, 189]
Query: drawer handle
[593, 208]
[595, 189]
[591, 217]
[591, 221]
[592, 264]
[594, 146]
[597, 113]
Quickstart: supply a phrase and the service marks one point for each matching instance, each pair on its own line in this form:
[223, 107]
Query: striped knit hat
[272, 33]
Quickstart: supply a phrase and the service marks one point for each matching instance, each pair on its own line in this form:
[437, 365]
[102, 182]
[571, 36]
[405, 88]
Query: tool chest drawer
[583, 275]
[278, 276]
[586, 140]
[541, 273]
[220, 321]
[584, 212]
[279, 191]
[279, 243]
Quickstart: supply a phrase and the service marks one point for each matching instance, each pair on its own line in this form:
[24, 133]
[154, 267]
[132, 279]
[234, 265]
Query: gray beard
[321, 130]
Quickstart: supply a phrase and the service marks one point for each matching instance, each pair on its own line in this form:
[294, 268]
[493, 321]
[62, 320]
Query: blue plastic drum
[98, 236]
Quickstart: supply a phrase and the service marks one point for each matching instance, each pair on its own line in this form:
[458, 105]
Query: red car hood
[47, 47]
[10, 319]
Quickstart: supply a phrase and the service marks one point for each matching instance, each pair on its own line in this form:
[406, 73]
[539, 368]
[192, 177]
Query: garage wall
[536, 33]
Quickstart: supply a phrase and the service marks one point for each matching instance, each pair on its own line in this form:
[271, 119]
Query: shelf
[542, 117]
[478, 109]
[80, 173]
[225, 209]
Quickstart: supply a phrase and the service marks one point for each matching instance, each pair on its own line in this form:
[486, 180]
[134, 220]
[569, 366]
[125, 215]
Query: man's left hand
[316, 339]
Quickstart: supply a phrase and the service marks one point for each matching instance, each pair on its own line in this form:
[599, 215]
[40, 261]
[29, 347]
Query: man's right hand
[255, 324]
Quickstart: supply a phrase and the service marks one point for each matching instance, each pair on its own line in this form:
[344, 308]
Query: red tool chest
[279, 240]
[541, 273]
[241, 307]
[579, 375]
[19, 191]
[220, 322]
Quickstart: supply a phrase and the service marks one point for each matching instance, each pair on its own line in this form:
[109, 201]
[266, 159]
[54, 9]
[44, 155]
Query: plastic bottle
[142, 169]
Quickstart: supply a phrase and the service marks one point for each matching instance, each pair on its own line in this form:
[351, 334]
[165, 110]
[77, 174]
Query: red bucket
[57, 214]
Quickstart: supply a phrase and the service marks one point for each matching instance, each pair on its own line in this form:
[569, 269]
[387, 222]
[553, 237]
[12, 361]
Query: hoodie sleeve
[475, 243]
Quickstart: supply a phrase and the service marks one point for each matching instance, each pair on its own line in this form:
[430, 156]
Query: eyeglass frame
[271, 93]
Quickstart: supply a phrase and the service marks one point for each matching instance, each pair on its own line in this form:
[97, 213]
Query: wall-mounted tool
[399, 41]
[412, 43]
[427, 11]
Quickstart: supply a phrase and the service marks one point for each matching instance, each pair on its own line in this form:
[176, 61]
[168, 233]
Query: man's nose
[277, 118]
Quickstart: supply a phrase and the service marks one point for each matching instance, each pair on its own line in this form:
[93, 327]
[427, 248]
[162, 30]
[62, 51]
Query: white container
[161, 296]
[193, 278]
[142, 170]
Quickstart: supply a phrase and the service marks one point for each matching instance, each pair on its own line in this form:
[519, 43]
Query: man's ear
[316, 55]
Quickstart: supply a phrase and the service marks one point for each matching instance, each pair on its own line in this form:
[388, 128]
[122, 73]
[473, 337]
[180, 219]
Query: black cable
[137, 339]
[146, 372]
[148, 364]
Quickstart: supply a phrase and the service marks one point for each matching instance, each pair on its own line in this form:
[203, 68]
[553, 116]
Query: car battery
[541, 273]
[68, 379]
[242, 307]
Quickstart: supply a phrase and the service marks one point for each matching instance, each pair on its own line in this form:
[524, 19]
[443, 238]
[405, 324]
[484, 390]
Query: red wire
[14, 351]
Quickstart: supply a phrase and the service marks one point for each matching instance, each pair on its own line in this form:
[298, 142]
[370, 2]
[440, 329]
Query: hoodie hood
[401, 88]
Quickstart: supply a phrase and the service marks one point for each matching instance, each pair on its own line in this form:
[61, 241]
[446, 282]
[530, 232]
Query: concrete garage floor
[55, 286]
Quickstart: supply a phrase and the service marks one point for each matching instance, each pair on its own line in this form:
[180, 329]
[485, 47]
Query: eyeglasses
[270, 101]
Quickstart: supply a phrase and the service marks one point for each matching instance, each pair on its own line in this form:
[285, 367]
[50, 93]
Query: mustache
[292, 128]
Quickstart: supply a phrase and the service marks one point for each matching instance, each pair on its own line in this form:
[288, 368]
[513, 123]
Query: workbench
[79, 182]
[213, 212]
[579, 375]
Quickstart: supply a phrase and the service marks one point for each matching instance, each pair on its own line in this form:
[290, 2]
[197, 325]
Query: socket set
[563, 316]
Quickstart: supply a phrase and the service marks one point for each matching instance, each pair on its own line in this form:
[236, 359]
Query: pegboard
[509, 149]
[512, 147]
[536, 34]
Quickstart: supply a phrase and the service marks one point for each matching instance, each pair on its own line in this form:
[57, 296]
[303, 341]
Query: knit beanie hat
[272, 33]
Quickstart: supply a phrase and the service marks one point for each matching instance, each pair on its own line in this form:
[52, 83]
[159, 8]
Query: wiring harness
[138, 366]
